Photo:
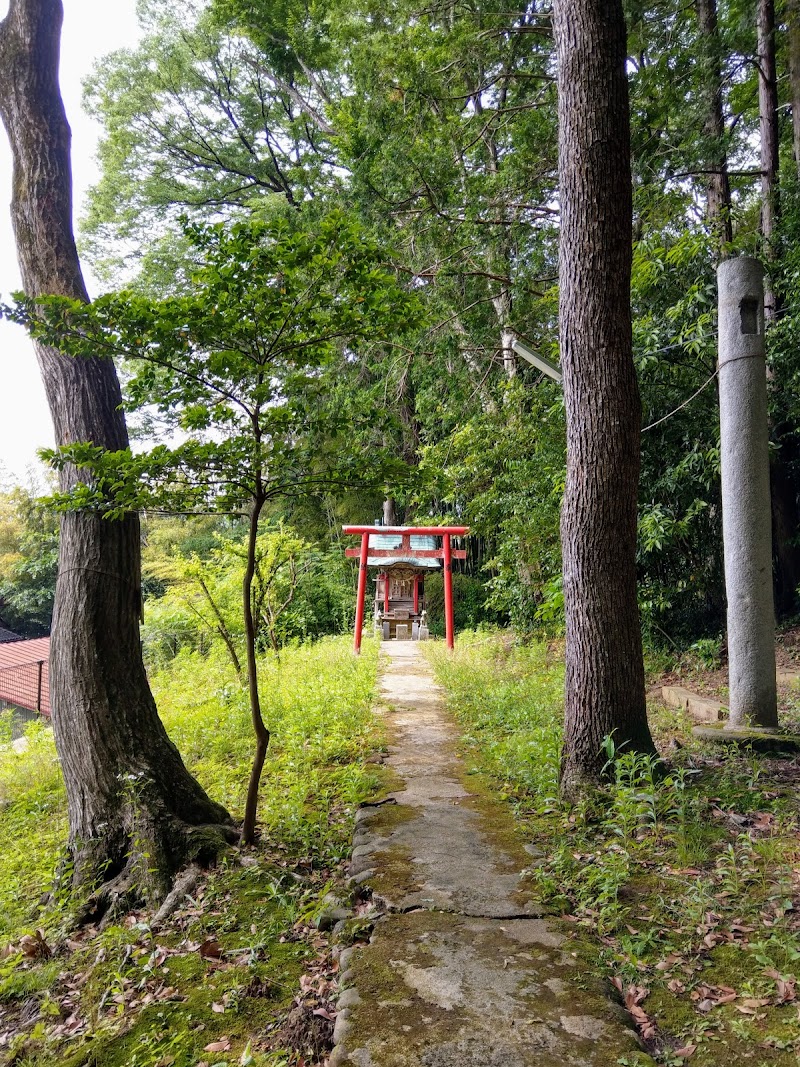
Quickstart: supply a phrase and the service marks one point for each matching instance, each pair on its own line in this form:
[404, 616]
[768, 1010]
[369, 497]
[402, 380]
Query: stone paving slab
[461, 970]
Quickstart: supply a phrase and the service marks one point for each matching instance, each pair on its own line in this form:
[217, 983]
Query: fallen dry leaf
[223, 1045]
[685, 1052]
[670, 961]
[755, 1002]
[211, 949]
[34, 946]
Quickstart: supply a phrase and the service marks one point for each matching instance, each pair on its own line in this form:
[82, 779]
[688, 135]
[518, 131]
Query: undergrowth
[217, 984]
[680, 880]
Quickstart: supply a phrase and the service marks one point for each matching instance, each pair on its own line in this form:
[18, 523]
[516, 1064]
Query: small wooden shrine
[400, 586]
[404, 554]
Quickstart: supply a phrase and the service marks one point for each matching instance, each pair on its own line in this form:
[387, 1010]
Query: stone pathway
[462, 969]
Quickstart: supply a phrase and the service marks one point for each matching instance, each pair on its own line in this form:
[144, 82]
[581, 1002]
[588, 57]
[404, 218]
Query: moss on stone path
[462, 969]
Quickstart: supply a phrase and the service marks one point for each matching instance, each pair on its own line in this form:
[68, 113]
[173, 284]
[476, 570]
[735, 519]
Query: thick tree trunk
[135, 813]
[718, 193]
[605, 672]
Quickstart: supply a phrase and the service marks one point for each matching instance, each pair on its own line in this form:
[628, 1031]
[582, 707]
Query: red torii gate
[445, 553]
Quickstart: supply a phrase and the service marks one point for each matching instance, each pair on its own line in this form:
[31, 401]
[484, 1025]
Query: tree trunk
[793, 25]
[785, 511]
[389, 512]
[222, 628]
[768, 124]
[250, 626]
[718, 192]
[604, 666]
[135, 813]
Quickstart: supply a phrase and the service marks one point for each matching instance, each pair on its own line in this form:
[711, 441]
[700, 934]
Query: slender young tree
[770, 142]
[604, 666]
[134, 810]
[244, 364]
[793, 30]
[718, 189]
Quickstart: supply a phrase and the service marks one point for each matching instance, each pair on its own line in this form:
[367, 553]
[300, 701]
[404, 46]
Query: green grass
[146, 999]
[506, 698]
[681, 877]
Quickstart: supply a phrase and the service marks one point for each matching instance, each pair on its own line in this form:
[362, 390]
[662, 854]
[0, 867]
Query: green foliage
[242, 365]
[437, 128]
[300, 592]
[316, 702]
[680, 535]
[28, 561]
[507, 698]
[196, 119]
[33, 827]
[470, 608]
[503, 472]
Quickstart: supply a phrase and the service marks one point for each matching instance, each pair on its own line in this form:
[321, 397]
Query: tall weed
[509, 700]
[317, 703]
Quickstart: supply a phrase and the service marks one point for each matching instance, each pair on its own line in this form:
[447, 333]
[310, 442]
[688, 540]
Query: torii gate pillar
[448, 591]
[362, 590]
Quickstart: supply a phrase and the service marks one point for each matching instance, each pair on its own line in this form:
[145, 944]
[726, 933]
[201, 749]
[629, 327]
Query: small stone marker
[401, 631]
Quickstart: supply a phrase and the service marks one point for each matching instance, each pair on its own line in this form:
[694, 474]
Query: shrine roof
[422, 542]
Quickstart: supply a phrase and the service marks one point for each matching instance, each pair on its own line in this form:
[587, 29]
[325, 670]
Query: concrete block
[401, 631]
[701, 709]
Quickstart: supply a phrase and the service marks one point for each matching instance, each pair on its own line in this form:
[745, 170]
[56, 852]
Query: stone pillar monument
[746, 519]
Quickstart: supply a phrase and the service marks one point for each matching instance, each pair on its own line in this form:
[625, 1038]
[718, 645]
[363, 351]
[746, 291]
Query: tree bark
[250, 628]
[135, 813]
[604, 666]
[768, 125]
[718, 190]
[785, 511]
[793, 25]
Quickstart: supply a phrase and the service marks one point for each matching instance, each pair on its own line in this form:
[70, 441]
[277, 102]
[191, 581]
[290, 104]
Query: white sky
[92, 28]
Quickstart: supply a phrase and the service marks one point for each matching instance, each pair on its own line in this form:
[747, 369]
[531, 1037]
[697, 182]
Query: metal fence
[26, 686]
[18, 719]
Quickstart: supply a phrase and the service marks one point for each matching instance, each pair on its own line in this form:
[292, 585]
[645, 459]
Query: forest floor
[705, 671]
[244, 972]
[680, 880]
[678, 884]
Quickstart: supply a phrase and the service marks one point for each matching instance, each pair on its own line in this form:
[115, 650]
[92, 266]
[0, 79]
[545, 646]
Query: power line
[683, 405]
